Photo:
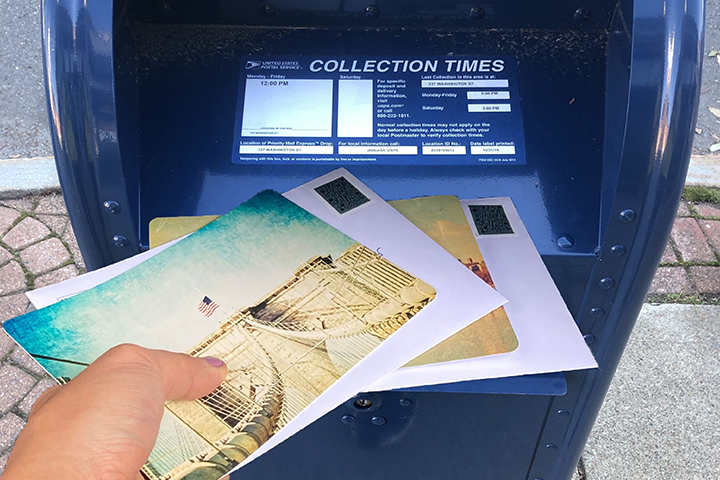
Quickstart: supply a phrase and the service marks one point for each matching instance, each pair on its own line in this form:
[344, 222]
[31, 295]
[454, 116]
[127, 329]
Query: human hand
[103, 424]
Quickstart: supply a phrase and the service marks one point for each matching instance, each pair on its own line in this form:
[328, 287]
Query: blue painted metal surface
[78, 60]
[142, 95]
[438, 436]
[543, 384]
[666, 44]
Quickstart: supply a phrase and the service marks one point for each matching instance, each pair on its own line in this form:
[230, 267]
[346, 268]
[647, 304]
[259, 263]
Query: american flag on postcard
[207, 307]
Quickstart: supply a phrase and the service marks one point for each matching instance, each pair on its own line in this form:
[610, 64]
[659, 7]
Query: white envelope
[383, 229]
[548, 338]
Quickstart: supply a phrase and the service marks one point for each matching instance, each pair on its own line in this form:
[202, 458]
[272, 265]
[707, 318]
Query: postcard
[548, 338]
[166, 229]
[290, 303]
[442, 218]
[46, 296]
[292, 317]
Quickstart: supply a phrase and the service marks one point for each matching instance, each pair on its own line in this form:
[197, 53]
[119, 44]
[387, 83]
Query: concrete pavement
[661, 417]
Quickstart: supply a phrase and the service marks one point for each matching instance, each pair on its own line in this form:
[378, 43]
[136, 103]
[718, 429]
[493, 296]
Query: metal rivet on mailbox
[112, 206]
[566, 241]
[121, 241]
[582, 14]
[597, 312]
[563, 413]
[476, 13]
[589, 338]
[362, 403]
[372, 11]
[607, 283]
[268, 10]
[347, 419]
[404, 402]
[551, 446]
[378, 420]
[617, 250]
[627, 215]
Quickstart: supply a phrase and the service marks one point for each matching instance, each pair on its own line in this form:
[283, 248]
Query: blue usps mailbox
[153, 113]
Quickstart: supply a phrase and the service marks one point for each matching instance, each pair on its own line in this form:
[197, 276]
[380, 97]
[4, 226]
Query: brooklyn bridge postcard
[288, 302]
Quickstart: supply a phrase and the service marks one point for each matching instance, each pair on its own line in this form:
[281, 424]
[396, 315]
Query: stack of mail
[311, 297]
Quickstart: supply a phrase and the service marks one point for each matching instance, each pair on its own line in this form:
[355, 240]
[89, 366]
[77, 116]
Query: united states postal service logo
[252, 65]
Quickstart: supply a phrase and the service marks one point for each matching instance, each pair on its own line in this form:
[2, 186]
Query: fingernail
[214, 362]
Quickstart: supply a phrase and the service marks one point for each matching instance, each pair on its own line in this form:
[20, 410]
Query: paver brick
[6, 344]
[671, 280]
[44, 256]
[668, 255]
[691, 242]
[683, 210]
[10, 427]
[707, 279]
[12, 306]
[3, 462]
[42, 386]
[7, 217]
[24, 204]
[57, 223]
[56, 276]
[12, 278]
[707, 210]
[69, 237]
[712, 231]
[27, 232]
[15, 385]
[4, 256]
[22, 358]
[52, 204]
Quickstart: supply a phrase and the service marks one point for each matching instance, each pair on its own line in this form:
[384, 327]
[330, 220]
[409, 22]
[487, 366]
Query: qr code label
[490, 220]
[342, 195]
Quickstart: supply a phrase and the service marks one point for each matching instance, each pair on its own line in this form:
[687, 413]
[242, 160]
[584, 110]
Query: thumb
[185, 377]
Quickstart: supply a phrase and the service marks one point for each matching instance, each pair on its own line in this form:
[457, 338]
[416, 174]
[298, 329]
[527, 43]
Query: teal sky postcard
[288, 302]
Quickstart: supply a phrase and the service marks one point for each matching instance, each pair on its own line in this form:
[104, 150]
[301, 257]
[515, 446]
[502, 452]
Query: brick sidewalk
[690, 268]
[38, 248]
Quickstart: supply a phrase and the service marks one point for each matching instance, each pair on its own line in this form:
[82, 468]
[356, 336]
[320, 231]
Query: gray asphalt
[710, 92]
[23, 121]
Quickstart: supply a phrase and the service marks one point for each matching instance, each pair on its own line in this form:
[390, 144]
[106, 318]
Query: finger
[180, 376]
[186, 377]
[44, 398]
